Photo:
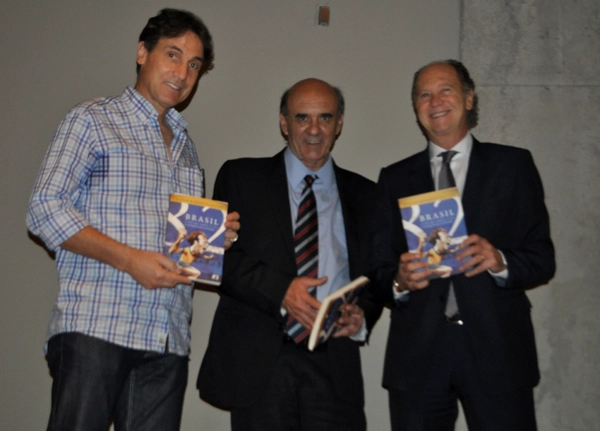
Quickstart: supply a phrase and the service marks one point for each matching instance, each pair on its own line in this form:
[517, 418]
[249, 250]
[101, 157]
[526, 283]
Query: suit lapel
[474, 188]
[421, 180]
[420, 177]
[277, 195]
[349, 208]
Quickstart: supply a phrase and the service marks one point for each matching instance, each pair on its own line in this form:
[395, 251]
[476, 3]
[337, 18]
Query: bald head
[311, 118]
[317, 83]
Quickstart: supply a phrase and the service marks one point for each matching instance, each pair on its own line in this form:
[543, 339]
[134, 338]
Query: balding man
[467, 337]
[253, 366]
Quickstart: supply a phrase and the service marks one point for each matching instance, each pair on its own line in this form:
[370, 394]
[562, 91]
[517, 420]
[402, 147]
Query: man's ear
[283, 125]
[469, 100]
[338, 126]
[142, 53]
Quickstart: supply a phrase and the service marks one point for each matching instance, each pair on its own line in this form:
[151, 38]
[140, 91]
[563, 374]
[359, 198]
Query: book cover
[331, 310]
[195, 237]
[434, 223]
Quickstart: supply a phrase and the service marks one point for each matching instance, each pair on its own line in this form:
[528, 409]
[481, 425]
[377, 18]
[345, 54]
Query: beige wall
[56, 54]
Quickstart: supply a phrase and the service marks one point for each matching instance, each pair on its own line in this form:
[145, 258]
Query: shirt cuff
[400, 296]
[500, 277]
[362, 333]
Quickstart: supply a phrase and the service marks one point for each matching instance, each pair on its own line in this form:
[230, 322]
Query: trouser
[434, 407]
[300, 397]
[96, 383]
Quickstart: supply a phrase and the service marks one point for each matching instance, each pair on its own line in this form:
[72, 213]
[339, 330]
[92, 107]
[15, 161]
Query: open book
[331, 310]
[195, 238]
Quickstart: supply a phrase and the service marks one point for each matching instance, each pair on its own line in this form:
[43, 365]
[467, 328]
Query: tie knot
[447, 156]
[309, 179]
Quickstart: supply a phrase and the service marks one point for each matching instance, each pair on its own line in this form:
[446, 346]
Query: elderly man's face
[442, 106]
[169, 72]
[312, 123]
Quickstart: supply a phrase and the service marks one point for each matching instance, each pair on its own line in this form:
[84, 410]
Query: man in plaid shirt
[118, 340]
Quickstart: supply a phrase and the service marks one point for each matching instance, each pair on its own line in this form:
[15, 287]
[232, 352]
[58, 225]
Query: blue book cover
[434, 223]
[195, 238]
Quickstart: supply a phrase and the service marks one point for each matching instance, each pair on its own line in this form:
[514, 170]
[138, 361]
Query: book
[434, 223]
[331, 310]
[195, 237]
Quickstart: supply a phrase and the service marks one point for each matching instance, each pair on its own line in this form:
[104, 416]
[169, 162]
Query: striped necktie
[306, 248]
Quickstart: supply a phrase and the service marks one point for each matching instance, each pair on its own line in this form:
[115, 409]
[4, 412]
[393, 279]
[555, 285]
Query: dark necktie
[446, 180]
[306, 248]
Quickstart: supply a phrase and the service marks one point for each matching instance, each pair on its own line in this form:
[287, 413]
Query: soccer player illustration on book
[197, 249]
[441, 241]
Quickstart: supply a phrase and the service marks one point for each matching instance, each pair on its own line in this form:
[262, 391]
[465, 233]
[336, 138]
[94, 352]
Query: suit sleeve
[531, 260]
[246, 278]
[388, 240]
[364, 196]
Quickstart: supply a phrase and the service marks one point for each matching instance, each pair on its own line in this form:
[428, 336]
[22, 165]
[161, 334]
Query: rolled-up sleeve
[52, 214]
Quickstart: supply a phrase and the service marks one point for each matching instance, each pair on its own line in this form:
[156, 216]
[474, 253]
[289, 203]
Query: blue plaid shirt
[107, 167]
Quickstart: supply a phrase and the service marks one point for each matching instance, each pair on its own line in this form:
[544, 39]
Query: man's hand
[483, 256]
[351, 320]
[153, 270]
[299, 303]
[148, 268]
[412, 272]
[232, 226]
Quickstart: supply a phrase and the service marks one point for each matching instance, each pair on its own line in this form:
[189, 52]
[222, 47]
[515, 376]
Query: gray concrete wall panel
[536, 67]
[532, 42]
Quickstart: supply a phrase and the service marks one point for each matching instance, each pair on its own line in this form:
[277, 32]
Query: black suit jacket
[247, 331]
[503, 201]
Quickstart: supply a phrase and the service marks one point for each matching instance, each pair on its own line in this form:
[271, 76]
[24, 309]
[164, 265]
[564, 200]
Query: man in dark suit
[468, 337]
[252, 366]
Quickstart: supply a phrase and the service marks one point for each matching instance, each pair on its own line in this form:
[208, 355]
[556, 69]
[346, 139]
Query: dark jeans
[96, 382]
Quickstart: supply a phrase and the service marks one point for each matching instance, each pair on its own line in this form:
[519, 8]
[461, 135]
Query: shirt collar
[296, 171]
[463, 147]
[146, 112]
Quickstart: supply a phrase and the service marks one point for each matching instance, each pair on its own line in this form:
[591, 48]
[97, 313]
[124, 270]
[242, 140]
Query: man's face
[442, 106]
[199, 246]
[443, 242]
[169, 72]
[312, 123]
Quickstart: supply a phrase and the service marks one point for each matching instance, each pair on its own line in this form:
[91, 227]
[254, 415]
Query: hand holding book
[439, 245]
[350, 321]
[481, 256]
[434, 226]
[331, 313]
[195, 237]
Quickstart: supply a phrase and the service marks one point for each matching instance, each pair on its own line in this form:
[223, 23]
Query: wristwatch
[397, 286]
